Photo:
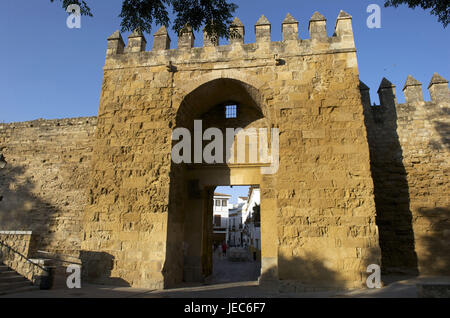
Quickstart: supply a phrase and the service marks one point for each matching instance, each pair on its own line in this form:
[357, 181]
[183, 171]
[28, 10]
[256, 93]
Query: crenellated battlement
[389, 108]
[291, 44]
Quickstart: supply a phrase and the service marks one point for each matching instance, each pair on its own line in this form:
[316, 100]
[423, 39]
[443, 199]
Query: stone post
[115, 44]
[365, 94]
[136, 42]
[413, 90]
[262, 29]
[318, 27]
[161, 40]
[237, 32]
[186, 38]
[210, 40]
[438, 89]
[344, 29]
[289, 28]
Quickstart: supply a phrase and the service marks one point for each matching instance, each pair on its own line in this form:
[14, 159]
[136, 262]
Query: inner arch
[216, 94]
[192, 186]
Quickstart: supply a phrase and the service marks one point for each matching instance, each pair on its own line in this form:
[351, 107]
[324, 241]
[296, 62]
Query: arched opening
[219, 104]
[216, 94]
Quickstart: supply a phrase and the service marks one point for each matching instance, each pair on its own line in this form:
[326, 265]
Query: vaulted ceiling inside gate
[218, 93]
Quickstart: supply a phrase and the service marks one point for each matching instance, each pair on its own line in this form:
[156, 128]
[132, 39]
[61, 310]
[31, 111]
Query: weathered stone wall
[43, 187]
[321, 199]
[17, 240]
[14, 251]
[409, 146]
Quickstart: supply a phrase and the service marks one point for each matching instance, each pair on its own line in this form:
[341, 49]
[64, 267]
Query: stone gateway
[356, 184]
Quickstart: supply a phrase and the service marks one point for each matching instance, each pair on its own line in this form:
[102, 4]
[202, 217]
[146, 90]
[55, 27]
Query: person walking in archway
[224, 249]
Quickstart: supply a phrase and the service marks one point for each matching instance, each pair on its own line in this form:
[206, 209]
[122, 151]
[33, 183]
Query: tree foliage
[215, 15]
[439, 8]
[257, 215]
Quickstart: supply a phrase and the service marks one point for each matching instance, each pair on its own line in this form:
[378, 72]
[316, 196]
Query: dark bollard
[47, 278]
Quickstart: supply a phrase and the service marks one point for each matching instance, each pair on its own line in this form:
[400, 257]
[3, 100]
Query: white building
[235, 238]
[220, 217]
[251, 222]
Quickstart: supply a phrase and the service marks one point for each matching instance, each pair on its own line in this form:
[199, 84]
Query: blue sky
[50, 71]
[235, 192]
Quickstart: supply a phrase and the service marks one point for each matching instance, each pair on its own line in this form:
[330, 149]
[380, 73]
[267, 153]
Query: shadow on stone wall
[391, 190]
[311, 271]
[315, 277]
[173, 265]
[444, 131]
[97, 267]
[306, 271]
[442, 128]
[22, 210]
[434, 244]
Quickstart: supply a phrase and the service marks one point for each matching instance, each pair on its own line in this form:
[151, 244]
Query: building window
[217, 202]
[231, 111]
[224, 202]
[217, 220]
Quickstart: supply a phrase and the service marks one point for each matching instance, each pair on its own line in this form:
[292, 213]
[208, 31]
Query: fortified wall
[409, 150]
[44, 186]
[146, 218]
[106, 189]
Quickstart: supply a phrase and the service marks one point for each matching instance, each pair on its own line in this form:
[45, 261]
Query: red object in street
[224, 247]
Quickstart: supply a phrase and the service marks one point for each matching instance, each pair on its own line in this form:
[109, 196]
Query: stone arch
[192, 185]
[190, 86]
[251, 85]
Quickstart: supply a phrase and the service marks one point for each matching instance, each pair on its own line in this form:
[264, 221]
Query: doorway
[219, 105]
[236, 234]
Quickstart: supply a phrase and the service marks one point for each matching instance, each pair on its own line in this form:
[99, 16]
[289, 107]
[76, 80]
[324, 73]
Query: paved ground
[233, 280]
[399, 289]
[225, 271]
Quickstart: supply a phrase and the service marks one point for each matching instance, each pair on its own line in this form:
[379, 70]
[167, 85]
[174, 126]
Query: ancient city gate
[147, 221]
